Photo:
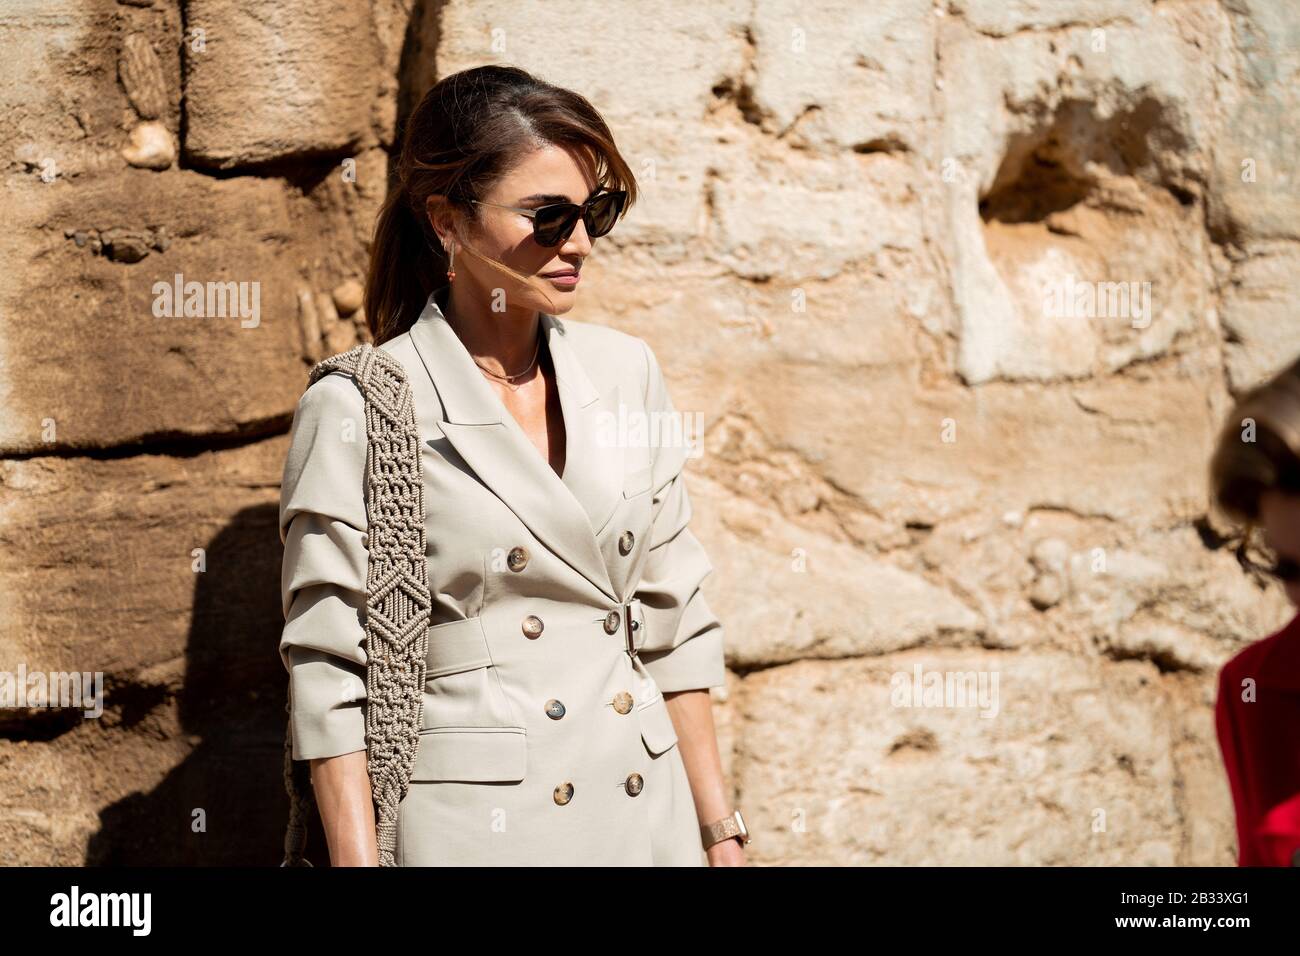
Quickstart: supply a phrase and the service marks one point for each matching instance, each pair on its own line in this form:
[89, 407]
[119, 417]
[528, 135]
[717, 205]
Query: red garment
[1260, 741]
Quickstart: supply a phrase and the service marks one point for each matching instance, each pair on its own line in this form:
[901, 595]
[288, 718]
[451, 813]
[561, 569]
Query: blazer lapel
[593, 463]
[564, 514]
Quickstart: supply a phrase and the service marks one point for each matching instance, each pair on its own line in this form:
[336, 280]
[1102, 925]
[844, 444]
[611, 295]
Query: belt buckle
[627, 630]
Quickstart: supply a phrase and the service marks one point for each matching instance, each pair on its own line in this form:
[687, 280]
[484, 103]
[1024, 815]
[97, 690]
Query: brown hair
[467, 132]
[1245, 465]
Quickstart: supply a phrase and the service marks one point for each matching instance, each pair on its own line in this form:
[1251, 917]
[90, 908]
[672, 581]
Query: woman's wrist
[728, 852]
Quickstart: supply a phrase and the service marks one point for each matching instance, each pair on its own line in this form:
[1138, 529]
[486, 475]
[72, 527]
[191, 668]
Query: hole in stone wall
[1040, 187]
[1093, 225]
[1059, 164]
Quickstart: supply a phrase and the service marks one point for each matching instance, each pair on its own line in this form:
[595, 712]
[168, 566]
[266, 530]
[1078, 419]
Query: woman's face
[1280, 517]
[547, 175]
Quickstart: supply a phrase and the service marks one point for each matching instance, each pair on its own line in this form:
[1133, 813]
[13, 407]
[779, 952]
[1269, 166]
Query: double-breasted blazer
[563, 607]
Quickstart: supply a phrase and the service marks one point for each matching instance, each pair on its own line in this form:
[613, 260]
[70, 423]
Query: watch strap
[719, 830]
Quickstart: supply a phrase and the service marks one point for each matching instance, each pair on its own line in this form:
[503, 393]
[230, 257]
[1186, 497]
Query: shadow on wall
[225, 803]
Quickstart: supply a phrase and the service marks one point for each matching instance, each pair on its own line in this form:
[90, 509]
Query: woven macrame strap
[397, 600]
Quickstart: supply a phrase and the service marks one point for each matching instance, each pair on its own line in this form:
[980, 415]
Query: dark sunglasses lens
[603, 213]
[552, 224]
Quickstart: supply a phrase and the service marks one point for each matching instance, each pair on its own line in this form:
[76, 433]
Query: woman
[1255, 478]
[566, 712]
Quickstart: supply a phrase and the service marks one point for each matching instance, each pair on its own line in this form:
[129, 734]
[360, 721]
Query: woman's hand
[697, 741]
[728, 852]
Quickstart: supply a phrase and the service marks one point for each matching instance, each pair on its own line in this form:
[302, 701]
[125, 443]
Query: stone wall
[880, 251]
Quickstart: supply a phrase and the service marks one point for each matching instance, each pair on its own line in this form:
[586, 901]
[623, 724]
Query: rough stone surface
[142, 77]
[960, 292]
[1065, 761]
[275, 81]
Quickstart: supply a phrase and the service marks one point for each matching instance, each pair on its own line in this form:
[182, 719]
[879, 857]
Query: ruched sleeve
[683, 647]
[323, 575]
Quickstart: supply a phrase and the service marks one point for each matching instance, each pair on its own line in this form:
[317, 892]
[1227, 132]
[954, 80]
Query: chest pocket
[469, 730]
[625, 536]
[637, 482]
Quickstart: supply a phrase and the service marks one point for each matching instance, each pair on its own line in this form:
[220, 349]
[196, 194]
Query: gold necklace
[508, 380]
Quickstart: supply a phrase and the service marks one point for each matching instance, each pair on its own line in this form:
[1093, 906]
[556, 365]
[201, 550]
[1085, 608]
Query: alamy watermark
[945, 689]
[132, 910]
[633, 428]
[53, 689]
[208, 300]
[1075, 298]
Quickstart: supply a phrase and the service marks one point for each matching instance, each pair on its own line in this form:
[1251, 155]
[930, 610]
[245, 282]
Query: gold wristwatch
[724, 829]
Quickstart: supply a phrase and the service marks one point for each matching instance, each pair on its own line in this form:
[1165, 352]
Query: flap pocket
[638, 482]
[472, 753]
[657, 731]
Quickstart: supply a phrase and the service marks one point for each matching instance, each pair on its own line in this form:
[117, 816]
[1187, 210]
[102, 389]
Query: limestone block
[1260, 312]
[1071, 761]
[1256, 184]
[683, 51]
[269, 82]
[835, 601]
[833, 74]
[1088, 156]
[1133, 451]
[807, 222]
[186, 536]
[129, 360]
[1001, 18]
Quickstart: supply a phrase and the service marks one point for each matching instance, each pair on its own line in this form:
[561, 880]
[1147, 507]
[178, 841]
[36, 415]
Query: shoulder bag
[397, 600]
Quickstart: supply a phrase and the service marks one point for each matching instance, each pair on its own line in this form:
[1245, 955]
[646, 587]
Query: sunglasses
[554, 224]
[1258, 558]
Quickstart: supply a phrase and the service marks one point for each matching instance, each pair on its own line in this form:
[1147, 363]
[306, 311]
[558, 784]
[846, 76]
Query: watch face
[740, 822]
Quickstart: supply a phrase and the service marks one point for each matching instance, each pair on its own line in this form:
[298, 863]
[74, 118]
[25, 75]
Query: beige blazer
[563, 608]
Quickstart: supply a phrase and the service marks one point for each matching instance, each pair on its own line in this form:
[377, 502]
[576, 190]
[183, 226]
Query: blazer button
[634, 784]
[611, 622]
[554, 709]
[532, 626]
[623, 702]
[625, 542]
[517, 559]
[563, 793]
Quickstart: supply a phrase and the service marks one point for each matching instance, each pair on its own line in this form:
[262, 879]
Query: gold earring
[451, 258]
